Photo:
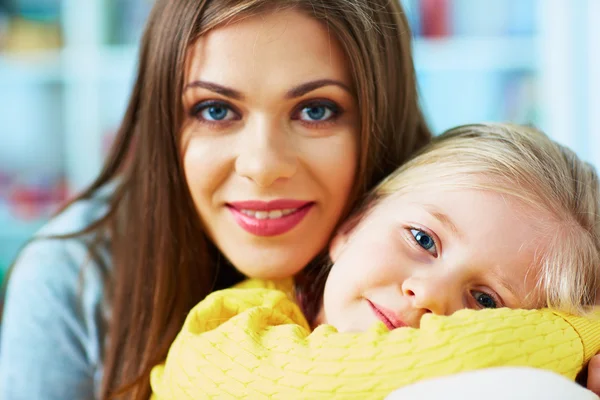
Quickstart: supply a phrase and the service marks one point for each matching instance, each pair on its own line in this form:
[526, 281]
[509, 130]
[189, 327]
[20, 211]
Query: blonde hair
[522, 162]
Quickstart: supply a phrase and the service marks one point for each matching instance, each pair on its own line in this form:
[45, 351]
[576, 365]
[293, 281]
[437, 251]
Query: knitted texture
[255, 343]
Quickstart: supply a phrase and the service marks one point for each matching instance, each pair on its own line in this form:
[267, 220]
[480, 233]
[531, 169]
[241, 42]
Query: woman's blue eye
[215, 112]
[484, 300]
[424, 240]
[317, 113]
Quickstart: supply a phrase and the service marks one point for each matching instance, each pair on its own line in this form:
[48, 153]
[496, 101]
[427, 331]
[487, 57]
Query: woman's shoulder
[61, 269]
[57, 272]
[59, 265]
[53, 307]
[48, 260]
[79, 214]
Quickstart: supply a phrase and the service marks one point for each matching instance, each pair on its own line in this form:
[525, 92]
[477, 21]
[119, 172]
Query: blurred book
[126, 20]
[30, 25]
[26, 35]
[442, 18]
[435, 19]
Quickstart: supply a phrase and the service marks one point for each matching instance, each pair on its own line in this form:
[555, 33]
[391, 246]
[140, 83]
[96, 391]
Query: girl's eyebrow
[297, 91]
[505, 281]
[443, 218]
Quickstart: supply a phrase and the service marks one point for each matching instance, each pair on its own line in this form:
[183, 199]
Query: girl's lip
[258, 205]
[386, 316]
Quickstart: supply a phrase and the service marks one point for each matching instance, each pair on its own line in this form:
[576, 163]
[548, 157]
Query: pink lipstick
[386, 316]
[269, 218]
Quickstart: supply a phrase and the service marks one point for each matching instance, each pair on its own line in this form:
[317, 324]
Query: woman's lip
[270, 227]
[386, 316]
[258, 205]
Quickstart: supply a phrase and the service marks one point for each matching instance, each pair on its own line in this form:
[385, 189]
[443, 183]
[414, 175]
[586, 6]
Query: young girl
[252, 128]
[487, 217]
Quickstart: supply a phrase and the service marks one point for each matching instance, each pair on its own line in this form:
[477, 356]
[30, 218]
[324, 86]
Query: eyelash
[411, 237]
[197, 109]
[335, 109]
[497, 300]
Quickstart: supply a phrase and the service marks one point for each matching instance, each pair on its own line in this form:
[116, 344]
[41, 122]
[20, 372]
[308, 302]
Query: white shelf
[37, 67]
[560, 62]
[476, 53]
[117, 63]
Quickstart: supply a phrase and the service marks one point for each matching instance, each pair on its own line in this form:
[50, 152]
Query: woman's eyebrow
[216, 88]
[297, 91]
[308, 87]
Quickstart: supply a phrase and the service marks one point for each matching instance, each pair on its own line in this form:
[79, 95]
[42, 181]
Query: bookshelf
[541, 74]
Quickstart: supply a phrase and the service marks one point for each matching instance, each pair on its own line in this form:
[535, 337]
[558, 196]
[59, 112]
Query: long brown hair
[163, 263]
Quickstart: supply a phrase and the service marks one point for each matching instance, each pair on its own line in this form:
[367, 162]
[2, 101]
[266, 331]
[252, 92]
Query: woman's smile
[271, 218]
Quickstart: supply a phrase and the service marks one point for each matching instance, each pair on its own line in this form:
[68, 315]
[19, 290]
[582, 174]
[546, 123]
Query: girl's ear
[342, 236]
[337, 244]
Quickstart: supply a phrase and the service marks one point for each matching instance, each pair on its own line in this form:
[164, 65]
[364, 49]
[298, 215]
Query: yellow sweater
[255, 343]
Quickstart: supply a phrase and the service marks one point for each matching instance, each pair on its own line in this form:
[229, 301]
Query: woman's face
[270, 139]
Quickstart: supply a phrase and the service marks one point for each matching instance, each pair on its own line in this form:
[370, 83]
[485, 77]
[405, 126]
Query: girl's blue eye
[424, 240]
[484, 299]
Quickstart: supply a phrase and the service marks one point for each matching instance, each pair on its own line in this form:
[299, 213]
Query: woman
[252, 128]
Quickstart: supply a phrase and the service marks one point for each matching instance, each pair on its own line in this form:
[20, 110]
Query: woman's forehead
[270, 48]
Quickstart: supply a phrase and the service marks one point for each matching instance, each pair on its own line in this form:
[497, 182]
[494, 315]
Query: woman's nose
[266, 154]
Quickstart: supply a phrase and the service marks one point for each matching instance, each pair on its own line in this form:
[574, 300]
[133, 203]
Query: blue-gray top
[50, 343]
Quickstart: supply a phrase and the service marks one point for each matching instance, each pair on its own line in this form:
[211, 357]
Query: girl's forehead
[466, 201]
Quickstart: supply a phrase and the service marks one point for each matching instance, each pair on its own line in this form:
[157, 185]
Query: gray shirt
[51, 329]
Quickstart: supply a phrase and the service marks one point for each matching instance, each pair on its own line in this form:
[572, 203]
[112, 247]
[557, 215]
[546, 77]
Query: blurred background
[66, 69]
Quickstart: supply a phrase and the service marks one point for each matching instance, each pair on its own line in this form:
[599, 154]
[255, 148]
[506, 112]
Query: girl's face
[270, 139]
[434, 251]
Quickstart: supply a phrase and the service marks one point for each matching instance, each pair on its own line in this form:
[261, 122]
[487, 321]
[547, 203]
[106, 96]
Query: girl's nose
[437, 295]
